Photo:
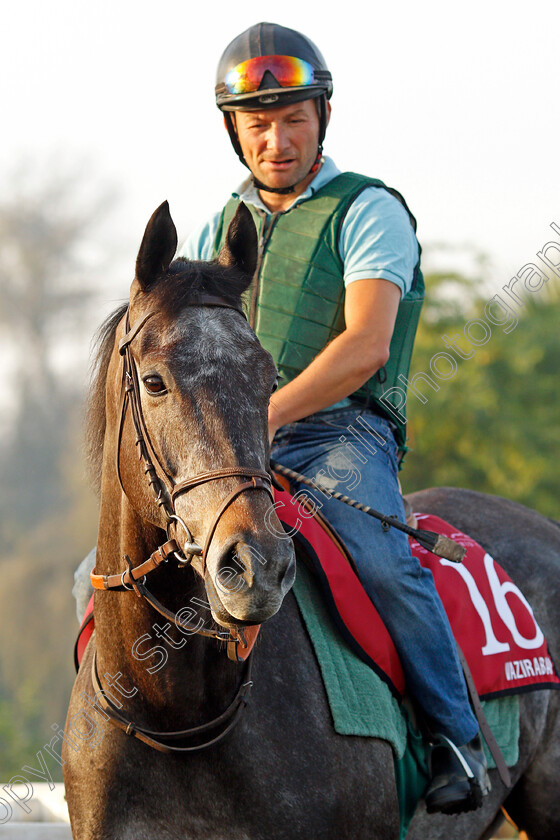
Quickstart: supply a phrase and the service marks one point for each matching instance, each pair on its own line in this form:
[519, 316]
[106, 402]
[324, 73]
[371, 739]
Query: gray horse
[281, 773]
[527, 545]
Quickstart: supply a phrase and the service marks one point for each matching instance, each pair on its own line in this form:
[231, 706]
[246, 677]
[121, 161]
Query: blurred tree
[492, 426]
[49, 261]
[45, 291]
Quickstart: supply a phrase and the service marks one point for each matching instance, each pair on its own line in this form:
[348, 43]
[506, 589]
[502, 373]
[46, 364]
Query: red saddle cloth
[491, 620]
[84, 634]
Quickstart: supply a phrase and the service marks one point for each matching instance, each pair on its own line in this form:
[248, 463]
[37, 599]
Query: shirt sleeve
[200, 242]
[378, 240]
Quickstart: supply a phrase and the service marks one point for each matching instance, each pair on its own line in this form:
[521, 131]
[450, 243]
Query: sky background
[455, 105]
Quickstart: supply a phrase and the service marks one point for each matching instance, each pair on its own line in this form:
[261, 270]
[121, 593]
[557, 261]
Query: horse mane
[183, 281]
[103, 344]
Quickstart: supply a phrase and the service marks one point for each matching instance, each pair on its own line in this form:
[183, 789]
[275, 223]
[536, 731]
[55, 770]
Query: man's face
[279, 144]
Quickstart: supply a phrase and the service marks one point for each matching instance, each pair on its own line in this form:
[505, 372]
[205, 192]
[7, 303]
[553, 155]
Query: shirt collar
[248, 193]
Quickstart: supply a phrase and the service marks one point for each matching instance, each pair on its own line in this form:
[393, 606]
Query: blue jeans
[353, 451]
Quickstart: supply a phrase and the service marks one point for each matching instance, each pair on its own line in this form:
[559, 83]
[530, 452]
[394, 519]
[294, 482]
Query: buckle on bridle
[131, 588]
[191, 547]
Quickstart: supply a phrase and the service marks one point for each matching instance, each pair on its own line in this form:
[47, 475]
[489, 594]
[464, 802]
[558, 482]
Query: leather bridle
[166, 491]
[162, 484]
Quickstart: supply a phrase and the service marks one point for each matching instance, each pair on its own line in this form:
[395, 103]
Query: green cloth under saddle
[362, 704]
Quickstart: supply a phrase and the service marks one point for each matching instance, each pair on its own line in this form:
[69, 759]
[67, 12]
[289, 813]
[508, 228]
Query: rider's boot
[459, 777]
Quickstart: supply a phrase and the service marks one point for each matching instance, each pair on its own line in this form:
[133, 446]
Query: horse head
[188, 387]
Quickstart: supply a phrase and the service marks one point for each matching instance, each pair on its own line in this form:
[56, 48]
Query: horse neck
[182, 679]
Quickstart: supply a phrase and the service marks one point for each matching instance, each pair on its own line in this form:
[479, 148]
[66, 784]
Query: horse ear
[157, 249]
[240, 247]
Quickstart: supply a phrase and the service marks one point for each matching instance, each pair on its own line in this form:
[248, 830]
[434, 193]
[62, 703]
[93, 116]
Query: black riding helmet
[292, 70]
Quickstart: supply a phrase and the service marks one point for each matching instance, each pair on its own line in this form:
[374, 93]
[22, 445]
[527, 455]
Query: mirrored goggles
[286, 69]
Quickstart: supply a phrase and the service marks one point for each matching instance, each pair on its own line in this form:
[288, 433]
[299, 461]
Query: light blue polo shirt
[376, 238]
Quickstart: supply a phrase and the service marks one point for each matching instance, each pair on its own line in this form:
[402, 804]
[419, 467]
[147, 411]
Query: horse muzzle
[249, 581]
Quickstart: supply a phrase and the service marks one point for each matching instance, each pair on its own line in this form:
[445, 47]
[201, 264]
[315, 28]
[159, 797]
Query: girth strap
[487, 733]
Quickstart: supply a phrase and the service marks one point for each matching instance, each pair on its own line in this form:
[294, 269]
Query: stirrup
[456, 785]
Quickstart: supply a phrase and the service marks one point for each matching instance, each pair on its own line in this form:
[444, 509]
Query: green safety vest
[296, 299]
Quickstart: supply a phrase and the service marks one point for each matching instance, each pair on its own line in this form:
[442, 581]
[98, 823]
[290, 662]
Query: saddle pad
[356, 618]
[491, 620]
[362, 704]
[84, 634]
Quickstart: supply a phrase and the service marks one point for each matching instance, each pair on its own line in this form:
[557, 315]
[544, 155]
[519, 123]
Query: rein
[239, 641]
[153, 739]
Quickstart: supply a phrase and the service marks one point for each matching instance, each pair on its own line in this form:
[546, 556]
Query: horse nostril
[287, 574]
[245, 568]
[234, 575]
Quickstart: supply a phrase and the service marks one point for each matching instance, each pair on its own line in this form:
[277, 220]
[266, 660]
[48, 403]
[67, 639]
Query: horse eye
[275, 386]
[154, 385]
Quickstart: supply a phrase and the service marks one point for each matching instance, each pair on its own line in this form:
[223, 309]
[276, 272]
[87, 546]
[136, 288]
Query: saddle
[499, 643]
[491, 620]
[494, 626]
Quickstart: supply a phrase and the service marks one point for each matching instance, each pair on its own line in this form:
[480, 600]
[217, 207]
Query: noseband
[166, 492]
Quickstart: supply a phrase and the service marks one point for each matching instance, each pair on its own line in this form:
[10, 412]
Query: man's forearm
[339, 370]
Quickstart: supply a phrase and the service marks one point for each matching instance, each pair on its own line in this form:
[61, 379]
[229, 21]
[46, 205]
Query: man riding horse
[335, 300]
[336, 295]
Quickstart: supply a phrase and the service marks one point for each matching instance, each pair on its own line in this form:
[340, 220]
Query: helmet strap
[278, 190]
[230, 125]
[287, 190]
